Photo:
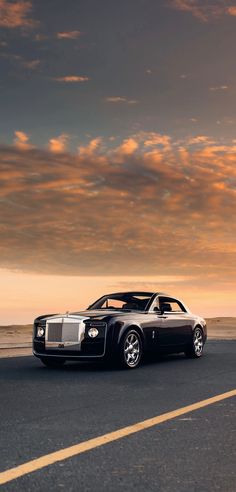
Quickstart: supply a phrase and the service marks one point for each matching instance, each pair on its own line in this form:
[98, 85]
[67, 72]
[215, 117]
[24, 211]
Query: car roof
[137, 293]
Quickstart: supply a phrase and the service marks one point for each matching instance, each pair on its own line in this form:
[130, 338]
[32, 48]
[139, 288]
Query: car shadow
[102, 366]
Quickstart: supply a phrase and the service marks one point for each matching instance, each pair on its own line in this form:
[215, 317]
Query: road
[44, 410]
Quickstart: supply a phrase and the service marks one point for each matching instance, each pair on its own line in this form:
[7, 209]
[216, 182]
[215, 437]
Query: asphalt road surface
[45, 410]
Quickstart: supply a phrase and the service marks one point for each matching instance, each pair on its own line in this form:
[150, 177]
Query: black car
[121, 327]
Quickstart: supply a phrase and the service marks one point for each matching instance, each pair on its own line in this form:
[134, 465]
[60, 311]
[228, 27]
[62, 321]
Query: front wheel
[52, 362]
[195, 350]
[130, 350]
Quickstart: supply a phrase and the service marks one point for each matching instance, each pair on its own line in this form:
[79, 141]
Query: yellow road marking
[63, 454]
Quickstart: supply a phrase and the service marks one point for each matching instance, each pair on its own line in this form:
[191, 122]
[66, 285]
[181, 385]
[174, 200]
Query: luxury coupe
[120, 327]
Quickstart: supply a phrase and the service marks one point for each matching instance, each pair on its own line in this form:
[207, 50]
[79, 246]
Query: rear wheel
[52, 361]
[130, 350]
[195, 350]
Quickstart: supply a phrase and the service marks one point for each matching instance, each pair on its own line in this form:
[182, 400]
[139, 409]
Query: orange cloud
[231, 10]
[21, 61]
[156, 139]
[90, 149]
[69, 35]
[71, 78]
[164, 211]
[204, 10]
[127, 147]
[192, 6]
[58, 144]
[200, 139]
[219, 88]
[22, 140]
[15, 14]
[120, 99]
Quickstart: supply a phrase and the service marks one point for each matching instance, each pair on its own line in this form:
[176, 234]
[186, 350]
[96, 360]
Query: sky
[117, 152]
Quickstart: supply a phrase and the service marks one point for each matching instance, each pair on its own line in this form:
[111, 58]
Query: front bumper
[68, 338]
[94, 349]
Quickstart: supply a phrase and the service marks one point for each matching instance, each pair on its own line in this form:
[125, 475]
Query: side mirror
[158, 310]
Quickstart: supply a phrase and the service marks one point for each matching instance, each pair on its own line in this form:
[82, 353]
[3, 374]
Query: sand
[12, 334]
[17, 339]
[221, 328]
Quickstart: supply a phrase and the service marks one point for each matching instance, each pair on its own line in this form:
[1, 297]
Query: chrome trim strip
[37, 354]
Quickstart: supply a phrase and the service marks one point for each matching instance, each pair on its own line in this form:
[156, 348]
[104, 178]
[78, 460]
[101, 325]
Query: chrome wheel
[132, 349]
[195, 349]
[198, 342]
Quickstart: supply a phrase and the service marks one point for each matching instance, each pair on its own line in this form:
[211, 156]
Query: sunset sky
[117, 153]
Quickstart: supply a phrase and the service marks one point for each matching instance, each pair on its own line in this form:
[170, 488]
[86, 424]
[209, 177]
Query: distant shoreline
[15, 340]
[219, 327]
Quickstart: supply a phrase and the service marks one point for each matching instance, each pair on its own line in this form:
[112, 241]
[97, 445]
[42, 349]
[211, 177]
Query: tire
[130, 350]
[195, 350]
[52, 362]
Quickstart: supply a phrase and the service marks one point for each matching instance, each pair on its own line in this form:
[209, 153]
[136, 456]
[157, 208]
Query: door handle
[163, 317]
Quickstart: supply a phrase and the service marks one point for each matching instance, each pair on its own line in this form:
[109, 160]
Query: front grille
[54, 332]
[63, 333]
[70, 332]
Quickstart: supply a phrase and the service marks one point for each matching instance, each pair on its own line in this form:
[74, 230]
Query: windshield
[123, 301]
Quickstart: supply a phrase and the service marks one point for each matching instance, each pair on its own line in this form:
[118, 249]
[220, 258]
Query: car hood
[91, 314]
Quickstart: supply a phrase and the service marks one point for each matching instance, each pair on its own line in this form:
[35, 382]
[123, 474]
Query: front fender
[121, 328]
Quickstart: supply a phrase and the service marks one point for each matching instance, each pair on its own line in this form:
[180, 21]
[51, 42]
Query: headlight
[40, 331]
[93, 332]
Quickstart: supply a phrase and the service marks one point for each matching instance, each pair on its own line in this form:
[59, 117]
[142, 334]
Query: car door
[152, 324]
[176, 327]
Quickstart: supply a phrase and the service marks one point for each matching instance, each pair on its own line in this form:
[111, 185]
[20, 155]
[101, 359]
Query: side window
[155, 305]
[171, 305]
[175, 306]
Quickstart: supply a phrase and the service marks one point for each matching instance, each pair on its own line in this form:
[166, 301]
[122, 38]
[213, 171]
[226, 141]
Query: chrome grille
[54, 332]
[70, 332]
[64, 333]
